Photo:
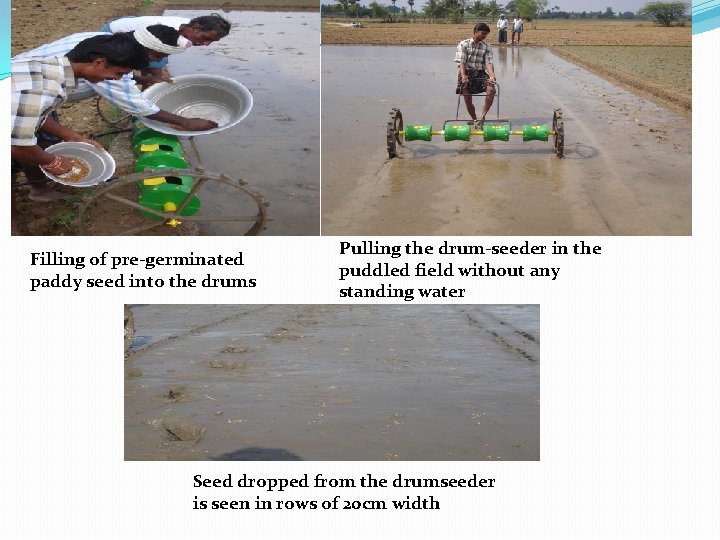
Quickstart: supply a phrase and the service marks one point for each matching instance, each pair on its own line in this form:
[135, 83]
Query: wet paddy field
[626, 170]
[333, 382]
[276, 149]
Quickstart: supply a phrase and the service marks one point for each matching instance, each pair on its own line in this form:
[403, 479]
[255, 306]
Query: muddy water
[332, 382]
[276, 149]
[627, 169]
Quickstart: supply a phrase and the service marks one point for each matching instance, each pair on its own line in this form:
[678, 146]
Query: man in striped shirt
[39, 86]
[476, 73]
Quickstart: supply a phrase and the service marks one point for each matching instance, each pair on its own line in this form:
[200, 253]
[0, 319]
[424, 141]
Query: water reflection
[501, 55]
[516, 61]
[277, 148]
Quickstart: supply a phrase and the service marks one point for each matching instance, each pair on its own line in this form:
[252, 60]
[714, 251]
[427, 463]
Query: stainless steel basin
[212, 97]
[101, 164]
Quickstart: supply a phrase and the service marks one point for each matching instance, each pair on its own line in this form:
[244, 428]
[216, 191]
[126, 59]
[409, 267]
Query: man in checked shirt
[476, 73]
[39, 86]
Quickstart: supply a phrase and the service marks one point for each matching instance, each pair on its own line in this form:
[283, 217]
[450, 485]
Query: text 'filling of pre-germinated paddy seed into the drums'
[105, 270]
[476, 261]
[289, 494]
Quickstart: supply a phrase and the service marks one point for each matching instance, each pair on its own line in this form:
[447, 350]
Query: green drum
[496, 133]
[457, 133]
[535, 133]
[157, 144]
[160, 160]
[166, 194]
[140, 134]
[418, 133]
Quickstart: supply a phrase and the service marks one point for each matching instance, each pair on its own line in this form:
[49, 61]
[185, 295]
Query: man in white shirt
[517, 29]
[502, 25]
[200, 31]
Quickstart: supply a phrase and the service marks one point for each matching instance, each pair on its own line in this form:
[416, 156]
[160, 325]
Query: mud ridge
[517, 342]
[194, 330]
[664, 95]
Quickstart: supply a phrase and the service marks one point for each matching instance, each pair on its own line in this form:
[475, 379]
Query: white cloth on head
[128, 24]
[145, 38]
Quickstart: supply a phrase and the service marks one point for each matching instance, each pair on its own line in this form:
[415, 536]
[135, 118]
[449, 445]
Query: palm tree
[431, 9]
[493, 8]
[476, 8]
[354, 8]
[344, 4]
[454, 8]
[411, 3]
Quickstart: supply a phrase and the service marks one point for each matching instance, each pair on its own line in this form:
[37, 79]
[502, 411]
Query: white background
[629, 390]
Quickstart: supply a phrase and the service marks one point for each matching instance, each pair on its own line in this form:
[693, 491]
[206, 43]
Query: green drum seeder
[498, 129]
[157, 151]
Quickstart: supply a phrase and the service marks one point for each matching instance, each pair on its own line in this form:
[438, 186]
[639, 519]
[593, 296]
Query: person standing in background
[502, 25]
[517, 29]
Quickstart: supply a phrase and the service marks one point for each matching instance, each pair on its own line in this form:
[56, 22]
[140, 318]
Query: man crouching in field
[476, 73]
[39, 86]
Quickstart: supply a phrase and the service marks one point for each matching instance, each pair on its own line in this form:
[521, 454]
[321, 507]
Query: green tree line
[665, 13]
